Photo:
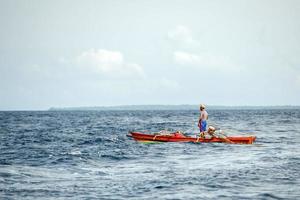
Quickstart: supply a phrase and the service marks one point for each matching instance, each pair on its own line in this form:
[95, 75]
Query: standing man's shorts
[203, 126]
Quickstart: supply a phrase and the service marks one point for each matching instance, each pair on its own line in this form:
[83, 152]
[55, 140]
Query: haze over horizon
[110, 53]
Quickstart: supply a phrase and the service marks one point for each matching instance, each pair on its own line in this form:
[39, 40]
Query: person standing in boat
[202, 120]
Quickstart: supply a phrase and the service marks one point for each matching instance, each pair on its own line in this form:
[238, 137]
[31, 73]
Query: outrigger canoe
[179, 137]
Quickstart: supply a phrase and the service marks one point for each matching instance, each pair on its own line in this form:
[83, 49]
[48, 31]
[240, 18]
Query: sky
[105, 53]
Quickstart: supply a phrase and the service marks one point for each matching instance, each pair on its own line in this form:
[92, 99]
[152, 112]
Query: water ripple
[86, 155]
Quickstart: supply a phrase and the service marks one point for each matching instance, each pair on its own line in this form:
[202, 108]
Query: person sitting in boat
[211, 130]
[179, 134]
[210, 133]
[202, 120]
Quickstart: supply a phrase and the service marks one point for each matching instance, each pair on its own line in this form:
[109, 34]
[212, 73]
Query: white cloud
[187, 58]
[182, 34]
[204, 61]
[108, 63]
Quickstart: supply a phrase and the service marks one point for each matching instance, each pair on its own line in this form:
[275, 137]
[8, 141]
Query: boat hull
[142, 137]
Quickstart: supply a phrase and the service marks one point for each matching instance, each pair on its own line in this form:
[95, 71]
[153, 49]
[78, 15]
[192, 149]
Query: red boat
[180, 137]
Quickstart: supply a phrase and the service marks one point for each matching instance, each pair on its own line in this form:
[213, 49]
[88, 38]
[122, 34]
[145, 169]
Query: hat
[202, 106]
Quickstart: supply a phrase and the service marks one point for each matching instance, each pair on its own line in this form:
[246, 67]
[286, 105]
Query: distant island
[167, 107]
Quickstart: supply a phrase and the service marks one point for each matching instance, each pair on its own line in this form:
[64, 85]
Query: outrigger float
[180, 137]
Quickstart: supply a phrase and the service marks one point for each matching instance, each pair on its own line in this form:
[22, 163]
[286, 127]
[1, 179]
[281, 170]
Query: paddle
[224, 137]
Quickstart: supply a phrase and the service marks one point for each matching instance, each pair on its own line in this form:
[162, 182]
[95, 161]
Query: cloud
[204, 61]
[108, 63]
[181, 34]
[187, 58]
[193, 59]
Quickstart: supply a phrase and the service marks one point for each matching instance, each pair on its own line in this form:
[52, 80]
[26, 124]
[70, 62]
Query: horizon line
[107, 107]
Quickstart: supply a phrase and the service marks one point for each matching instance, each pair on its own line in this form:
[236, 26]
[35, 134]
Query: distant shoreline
[167, 107]
[158, 107]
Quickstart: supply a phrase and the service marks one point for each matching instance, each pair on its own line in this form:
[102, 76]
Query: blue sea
[87, 155]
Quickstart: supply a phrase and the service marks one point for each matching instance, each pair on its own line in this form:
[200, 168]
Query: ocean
[87, 155]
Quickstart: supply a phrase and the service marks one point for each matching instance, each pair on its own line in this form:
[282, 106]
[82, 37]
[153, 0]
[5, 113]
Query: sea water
[87, 155]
